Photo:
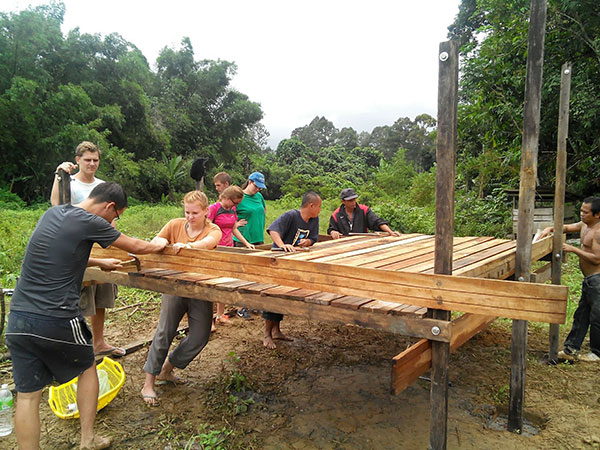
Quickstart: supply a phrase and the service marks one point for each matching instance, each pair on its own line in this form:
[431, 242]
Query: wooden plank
[528, 178]
[559, 193]
[335, 247]
[64, 187]
[278, 291]
[405, 325]
[483, 255]
[502, 266]
[378, 257]
[465, 256]
[350, 302]
[444, 231]
[379, 306]
[413, 362]
[256, 287]
[542, 274]
[362, 251]
[323, 298]
[526, 301]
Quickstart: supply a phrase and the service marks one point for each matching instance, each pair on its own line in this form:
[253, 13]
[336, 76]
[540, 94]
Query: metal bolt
[444, 56]
[435, 331]
[567, 71]
[521, 279]
[557, 256]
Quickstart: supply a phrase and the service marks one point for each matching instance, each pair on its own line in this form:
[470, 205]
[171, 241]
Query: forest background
[57, 90]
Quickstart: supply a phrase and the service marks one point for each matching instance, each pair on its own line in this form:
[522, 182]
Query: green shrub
[9, 200]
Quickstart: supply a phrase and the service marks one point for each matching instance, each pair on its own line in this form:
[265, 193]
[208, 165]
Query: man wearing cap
[352, 217]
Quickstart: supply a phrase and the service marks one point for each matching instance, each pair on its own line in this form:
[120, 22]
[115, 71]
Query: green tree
[493, 35]
[319, 133]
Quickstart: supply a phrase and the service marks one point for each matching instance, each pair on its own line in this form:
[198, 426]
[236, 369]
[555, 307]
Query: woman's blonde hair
[196, 196]
[231, 193]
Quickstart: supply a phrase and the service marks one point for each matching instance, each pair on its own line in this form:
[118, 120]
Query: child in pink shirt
[222, 214]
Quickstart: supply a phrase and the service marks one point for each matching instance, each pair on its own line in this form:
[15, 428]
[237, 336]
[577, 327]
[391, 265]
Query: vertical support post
[444, 231]
[529, 153]
[2, 315]
[559, 194]
[64, 187]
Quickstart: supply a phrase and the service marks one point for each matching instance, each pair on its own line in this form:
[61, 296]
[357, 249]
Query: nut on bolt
[436, 331]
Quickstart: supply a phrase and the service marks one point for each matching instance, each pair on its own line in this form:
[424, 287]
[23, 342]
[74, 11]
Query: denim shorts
[44, 349]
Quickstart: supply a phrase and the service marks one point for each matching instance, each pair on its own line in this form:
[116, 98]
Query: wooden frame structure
[329, 284]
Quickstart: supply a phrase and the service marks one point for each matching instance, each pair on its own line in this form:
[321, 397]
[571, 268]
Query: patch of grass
[232, 392]
[16, 226]
[208, 439]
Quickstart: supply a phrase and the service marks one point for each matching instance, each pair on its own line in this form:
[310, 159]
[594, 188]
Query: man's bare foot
[149, 396]
[268, 342]
[280, 336]
[213, 326]
[97, 443]
[224, 320]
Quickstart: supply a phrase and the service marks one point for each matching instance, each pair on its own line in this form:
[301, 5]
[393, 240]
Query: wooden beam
[203, 287]
[544, 303]
[559, 194]
[444, 231]
[528, 175]
[64, 187]
[416, 360]
[542, 274]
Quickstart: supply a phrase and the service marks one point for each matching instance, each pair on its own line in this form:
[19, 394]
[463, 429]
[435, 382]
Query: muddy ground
[330, 389]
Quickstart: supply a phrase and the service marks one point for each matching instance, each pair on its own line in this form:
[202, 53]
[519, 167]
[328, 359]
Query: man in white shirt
[94, 299]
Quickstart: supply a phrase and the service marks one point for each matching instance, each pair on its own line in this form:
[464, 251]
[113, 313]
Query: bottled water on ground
[6, 411]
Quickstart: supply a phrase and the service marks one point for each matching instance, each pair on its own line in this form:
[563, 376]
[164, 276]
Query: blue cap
[258, 179]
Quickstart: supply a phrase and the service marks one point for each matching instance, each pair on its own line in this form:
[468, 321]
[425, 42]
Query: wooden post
[529, 152]
[444, 231]
[64, 187]
[559, 194]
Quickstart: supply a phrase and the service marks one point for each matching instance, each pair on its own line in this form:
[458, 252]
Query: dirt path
[329, 389]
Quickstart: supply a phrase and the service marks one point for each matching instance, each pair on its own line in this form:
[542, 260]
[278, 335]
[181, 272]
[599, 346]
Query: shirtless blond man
[587, 313]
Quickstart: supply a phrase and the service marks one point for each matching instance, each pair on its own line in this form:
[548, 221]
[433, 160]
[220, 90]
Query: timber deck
[377, 282]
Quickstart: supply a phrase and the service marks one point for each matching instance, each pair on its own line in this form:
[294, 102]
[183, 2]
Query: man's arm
[105, 263]
[137, 246]
[279, 242]
[592, 257]
[374, 222]
[54, 195]
[333, 229]
[385, 227]
[568, 228]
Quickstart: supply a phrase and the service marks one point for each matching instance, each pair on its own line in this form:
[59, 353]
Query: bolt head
[444, 56]
[435, 331]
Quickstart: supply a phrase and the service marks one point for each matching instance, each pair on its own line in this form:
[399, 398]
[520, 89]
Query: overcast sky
[361, 64]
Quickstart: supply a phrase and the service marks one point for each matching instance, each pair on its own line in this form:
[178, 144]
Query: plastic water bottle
[6, 414]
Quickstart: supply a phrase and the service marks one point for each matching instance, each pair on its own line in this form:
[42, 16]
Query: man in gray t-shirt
[46, 334]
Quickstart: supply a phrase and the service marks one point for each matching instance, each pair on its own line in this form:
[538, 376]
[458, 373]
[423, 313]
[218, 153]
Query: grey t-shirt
[56, 258]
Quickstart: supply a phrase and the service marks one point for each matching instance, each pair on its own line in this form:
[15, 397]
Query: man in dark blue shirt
[297, 228]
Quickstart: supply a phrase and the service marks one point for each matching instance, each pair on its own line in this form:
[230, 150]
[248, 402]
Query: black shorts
[44, 349]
